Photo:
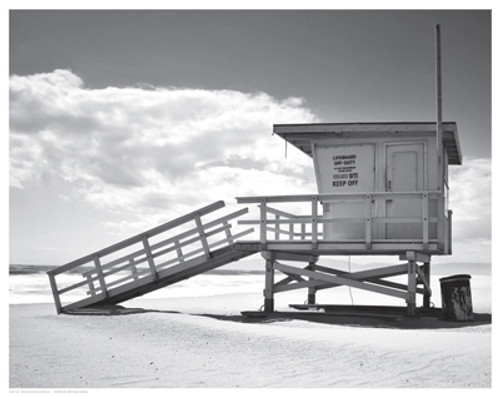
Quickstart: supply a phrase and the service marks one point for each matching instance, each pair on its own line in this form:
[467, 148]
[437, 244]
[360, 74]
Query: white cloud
[470, 200]
[154, 153]
[136, 150]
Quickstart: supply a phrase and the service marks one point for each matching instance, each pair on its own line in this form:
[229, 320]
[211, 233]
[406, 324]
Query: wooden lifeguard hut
[383, 190]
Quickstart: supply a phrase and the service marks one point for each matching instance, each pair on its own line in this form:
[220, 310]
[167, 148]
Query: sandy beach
[203, 342]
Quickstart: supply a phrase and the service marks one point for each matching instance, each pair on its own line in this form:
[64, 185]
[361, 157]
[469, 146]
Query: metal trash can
[456, 298]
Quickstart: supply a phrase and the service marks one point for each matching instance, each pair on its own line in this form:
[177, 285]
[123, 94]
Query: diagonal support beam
[423, 279]
[340, 280]
[372, 273]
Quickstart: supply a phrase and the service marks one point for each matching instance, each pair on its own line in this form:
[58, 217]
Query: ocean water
[29, 284]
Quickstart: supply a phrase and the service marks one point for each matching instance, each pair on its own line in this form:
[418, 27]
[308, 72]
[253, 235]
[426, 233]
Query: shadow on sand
[359, 316]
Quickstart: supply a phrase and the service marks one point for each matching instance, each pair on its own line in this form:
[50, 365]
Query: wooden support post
[427, 294]
[55, 292]
[311, 291]
[269, 287]
[412, 287]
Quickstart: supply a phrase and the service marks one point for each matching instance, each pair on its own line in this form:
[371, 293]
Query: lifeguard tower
[383, 190]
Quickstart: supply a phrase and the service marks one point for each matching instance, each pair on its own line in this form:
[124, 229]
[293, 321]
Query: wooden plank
[340, 280]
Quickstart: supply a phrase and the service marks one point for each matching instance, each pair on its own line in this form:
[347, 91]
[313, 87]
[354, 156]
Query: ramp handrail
[143, 255]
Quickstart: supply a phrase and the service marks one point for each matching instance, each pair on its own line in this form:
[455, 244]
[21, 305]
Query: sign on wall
[346, 168]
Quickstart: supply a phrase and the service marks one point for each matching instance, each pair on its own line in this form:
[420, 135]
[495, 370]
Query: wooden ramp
[174, 251]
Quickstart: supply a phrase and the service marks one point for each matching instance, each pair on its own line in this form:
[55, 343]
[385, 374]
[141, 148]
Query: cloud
[137, 149]
[470, 200]
[153, 153]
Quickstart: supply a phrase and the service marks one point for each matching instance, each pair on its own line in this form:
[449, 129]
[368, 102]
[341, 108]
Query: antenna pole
[439, 110]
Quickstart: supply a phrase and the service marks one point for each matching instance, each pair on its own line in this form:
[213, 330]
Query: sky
[122, 120]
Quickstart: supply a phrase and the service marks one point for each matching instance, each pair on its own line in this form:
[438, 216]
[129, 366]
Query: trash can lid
[455, 278]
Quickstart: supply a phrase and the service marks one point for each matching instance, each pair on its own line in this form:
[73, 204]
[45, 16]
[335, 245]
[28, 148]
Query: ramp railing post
[100, 275]
[133, 269]
[229, 236]
[91, 285]
[149, 256]
[178, 250]
[203, 237]
[55, 292]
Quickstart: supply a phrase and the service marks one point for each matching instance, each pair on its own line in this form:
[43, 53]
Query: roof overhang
[302, 135]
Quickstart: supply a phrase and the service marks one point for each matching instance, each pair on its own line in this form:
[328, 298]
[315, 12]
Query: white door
[405, 170]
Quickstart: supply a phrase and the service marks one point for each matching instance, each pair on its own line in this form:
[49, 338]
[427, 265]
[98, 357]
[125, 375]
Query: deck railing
[276, 224]
[140, 258]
